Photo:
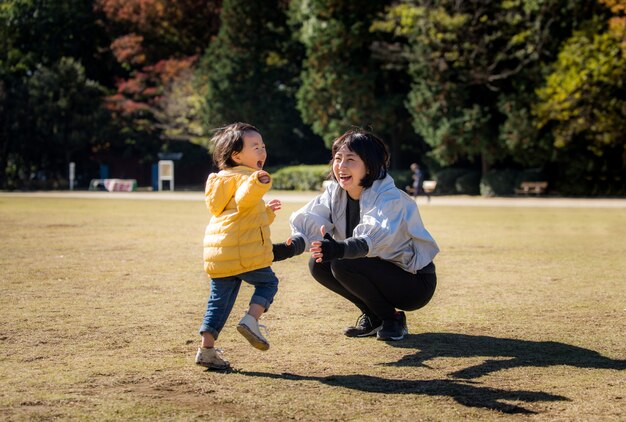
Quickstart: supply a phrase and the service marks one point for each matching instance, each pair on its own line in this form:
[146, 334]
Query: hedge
[301, 178]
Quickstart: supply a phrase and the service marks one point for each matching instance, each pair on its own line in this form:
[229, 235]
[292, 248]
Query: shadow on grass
[521, 353]
[466, 393]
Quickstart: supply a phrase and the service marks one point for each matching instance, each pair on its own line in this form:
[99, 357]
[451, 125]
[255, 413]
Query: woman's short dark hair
[370, 148]
[227, 140]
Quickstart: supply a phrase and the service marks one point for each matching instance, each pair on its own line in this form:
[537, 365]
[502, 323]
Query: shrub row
[450, 181]
[494, 183]
[302, 177]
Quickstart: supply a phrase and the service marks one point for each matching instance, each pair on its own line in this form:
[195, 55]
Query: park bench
[535, 188]
[113, 185]
[428, 186]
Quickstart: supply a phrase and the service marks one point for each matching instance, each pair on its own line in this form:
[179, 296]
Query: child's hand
[292, 247]
[264, 177]
[275, 204]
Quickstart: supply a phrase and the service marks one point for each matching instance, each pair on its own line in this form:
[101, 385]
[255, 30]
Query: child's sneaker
[211, 358]
[249, 328]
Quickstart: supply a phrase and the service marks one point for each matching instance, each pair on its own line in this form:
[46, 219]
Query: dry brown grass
[101, 300]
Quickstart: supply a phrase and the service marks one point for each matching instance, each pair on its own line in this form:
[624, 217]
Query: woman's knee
[423, 296]
[344, 269]
[319, 270]
[313, 267]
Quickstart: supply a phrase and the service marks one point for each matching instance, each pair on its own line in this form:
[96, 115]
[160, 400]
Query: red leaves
[128, 49]
[141, 14]
[166, 70]
[155, 40]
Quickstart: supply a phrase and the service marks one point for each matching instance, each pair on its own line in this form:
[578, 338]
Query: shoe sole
[368, 334]
[212, 366]
[252, 338]
[391, 338]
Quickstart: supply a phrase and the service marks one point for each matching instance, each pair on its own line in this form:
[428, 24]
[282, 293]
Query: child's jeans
[224, 292]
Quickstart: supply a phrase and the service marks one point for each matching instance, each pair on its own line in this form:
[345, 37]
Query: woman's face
[349, 169]
[253, 154]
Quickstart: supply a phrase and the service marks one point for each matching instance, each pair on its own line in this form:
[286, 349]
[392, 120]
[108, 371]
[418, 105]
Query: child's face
[253, 153]
[349, 169]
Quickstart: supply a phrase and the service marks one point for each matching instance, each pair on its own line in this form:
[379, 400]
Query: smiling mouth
[344, 178]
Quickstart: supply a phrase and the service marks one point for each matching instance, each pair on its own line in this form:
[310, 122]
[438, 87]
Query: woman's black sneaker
[365, 326]
[394, 328]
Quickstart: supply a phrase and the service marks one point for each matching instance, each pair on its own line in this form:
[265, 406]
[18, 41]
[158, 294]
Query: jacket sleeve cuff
[299, 244]
[356, 247]
[303, 237]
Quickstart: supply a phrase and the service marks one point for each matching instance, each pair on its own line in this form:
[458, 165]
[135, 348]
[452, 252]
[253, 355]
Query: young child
[237, 243]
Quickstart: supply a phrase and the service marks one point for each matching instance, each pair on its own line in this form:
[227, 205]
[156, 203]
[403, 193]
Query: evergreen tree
[474, 66]
[38, 35]
[339, 77]
[249, 73]
[66, 113]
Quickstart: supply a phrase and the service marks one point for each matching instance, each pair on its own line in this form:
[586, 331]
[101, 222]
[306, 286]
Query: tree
[181, 110]
[342, 83]
[583, 105]
[471, 64]
[138, 107]
[617, 22]
[249, 73]
[147, 31]
[155, 42]
[37, 34]
[67, 114]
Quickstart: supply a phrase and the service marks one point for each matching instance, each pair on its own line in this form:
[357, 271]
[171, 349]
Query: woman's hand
[316, 247]
[327, 249]
[276, 205]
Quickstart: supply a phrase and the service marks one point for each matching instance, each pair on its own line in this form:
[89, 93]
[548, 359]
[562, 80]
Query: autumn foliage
[154, 41]
[617, 23]
[474, 88]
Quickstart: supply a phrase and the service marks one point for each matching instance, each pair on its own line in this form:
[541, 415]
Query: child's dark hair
[370, 148]
[227, 140]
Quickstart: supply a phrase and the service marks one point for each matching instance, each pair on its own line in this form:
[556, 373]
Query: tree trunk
[394, 152]
[4, 143]
[4, 134]
[484, 163]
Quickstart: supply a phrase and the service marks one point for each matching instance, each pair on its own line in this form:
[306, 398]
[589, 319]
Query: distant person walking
[367, 240]
[418, 181]
[237, 245]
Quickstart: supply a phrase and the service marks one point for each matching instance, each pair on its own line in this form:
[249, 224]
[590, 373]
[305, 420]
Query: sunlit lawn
[100, 301]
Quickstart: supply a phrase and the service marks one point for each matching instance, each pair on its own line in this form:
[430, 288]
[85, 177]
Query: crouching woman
[367, 240]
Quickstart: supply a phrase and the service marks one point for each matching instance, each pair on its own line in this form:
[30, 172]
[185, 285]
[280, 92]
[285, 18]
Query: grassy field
[101, 299]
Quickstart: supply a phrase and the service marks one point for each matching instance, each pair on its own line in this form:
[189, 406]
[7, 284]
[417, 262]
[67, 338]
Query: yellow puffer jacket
[237, 238]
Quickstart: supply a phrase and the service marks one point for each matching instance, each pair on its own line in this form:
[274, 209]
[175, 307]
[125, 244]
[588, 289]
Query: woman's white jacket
[389, 222]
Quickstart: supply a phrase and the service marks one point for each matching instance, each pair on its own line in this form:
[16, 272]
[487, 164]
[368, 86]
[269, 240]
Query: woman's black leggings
[377, 287]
